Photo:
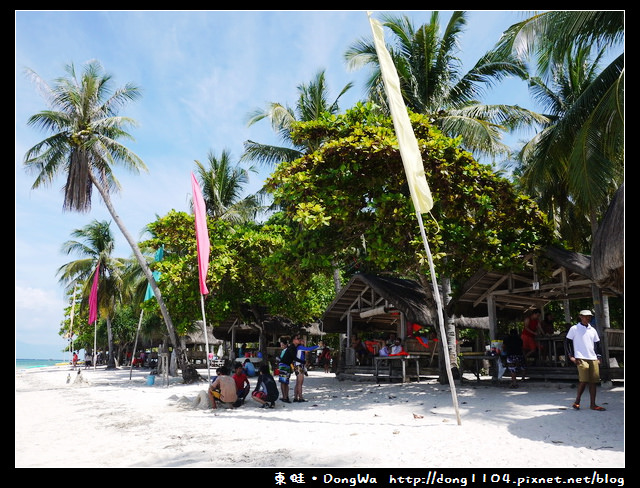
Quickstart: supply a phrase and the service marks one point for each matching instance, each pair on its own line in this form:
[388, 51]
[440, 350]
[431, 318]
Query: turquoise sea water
[37, 363]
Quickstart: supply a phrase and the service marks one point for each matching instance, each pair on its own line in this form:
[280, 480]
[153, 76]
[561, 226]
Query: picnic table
[477, 360]
[397, 359]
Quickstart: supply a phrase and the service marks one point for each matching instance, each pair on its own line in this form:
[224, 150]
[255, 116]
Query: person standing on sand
[287, 357]
[512, 346]
[300, 366]
[583, 347]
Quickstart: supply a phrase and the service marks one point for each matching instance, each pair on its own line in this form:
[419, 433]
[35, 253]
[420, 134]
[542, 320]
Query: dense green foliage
[352, 201]
[244, 273]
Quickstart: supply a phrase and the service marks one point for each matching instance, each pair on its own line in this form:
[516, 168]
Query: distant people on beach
[249, 368]
[512, 348]
[324, 360]
[547, 324]
[359, 348]
[532, 328]
[223, 388]
[266, 390]
[242, 384]
[397, 348]
[583, 347]
[300, 366]
[87, 359]
[287, 357]
[74, 359]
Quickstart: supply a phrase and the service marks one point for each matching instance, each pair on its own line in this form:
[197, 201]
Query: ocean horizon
[22, 363]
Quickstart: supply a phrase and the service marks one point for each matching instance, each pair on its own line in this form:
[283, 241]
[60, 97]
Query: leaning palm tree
[84, 128]
[433, 83]
[95, 244]
[222, 187]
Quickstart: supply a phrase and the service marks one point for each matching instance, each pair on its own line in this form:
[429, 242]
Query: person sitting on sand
[266, 391]
[249, 368]
[242, 384]
[223, 388]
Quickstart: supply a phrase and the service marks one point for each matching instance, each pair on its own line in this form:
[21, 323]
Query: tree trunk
[450, 330]
[180, 354]
[111, 364]
[336, 277]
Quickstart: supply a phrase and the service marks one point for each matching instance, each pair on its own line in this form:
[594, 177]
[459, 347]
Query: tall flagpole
[93, 312]
[73, 309]
[135, 344]
[95, 343]
[443, 333]
[206, 338]
[203, 248]
[414, 169]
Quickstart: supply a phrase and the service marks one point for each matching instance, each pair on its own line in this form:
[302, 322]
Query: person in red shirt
[242, 384]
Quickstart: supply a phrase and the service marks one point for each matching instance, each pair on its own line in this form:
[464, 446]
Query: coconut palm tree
[432, 81]
[586, 136]
[95, 244]
[573, 192]
[312, 101]
[84, 128]
[222, 187]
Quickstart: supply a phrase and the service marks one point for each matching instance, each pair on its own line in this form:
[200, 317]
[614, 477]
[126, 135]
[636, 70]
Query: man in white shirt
[583, 348]
[397, 347]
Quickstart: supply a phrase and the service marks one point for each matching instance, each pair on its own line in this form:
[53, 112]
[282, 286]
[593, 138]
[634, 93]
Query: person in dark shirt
[266, 391]
[512, 345]
[287, 358]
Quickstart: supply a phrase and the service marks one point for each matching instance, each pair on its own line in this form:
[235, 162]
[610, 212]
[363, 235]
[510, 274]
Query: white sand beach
[107, 420]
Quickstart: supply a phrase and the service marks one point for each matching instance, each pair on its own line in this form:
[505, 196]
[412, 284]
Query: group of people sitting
[364, 350]
[233, 389]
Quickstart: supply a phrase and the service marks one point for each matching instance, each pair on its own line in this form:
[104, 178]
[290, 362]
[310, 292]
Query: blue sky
[201, 74]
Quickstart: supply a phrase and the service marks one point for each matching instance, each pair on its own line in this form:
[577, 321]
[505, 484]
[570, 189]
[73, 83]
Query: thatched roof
[607, 249]
[197, 336]
[365, 292]
[247, 331]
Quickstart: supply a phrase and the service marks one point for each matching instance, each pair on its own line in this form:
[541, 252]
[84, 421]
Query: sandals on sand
[576, 406]
[599, 409]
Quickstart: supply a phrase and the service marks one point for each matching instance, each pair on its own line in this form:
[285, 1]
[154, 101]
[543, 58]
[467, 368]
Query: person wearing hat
[583, 348]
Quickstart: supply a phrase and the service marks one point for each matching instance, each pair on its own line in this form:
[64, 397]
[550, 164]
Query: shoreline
[108, 420]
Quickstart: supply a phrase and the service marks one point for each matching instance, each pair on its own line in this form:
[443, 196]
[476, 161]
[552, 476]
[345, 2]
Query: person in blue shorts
[287, 357]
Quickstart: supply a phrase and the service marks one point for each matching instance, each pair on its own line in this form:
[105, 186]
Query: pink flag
[93, 297]
[202, 234]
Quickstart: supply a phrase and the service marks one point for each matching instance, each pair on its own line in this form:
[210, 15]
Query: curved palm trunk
[180, 354]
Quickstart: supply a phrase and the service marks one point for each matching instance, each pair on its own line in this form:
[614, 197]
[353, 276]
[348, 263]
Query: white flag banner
[409, 150]
[414, 169]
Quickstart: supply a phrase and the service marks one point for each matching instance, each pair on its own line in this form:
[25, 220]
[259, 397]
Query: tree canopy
[351, 200]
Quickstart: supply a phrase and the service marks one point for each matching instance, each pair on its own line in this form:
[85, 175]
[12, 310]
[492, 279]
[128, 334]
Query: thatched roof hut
[383, 303]
[607, 249]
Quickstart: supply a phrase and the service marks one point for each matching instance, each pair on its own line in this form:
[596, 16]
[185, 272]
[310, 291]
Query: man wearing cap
[583, 348]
